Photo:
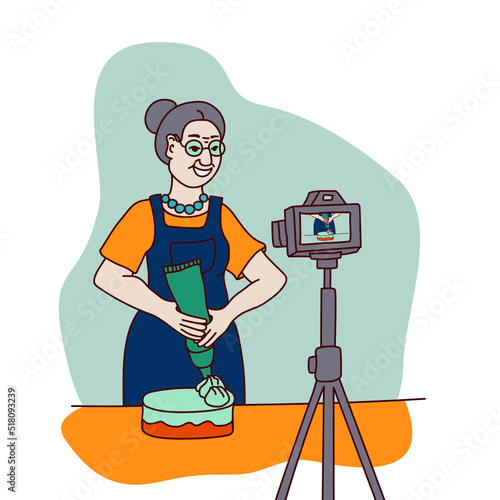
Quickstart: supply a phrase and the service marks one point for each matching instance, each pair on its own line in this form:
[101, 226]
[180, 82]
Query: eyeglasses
[195, 148]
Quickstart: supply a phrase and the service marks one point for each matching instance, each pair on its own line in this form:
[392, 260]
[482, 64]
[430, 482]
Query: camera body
[324, 227]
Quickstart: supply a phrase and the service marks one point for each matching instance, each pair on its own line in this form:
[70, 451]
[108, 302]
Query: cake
[325, 235]
[184, 413]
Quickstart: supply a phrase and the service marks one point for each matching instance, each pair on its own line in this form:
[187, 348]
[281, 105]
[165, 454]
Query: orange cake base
[186, 431]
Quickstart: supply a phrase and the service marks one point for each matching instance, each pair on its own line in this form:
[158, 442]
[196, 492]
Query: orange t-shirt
[134, 234]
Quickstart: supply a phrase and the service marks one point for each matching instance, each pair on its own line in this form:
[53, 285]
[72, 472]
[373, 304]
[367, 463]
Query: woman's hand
[221, 320]
[190, 327]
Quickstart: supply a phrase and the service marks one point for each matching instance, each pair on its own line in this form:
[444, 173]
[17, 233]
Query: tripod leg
[358, 441]
[328, 443]
[299, 442]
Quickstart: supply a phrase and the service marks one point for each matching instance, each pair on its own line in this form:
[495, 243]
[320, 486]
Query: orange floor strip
[110, 441]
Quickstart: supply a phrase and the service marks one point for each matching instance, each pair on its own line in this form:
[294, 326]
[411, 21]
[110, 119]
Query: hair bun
[156, 112]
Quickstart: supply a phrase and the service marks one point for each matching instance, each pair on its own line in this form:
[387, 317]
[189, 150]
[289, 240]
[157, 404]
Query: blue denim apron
[155, 354]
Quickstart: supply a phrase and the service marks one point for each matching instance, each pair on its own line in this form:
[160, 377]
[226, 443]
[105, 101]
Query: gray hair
[164, 117]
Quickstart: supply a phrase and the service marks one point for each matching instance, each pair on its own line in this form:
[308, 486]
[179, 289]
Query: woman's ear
[172, 141]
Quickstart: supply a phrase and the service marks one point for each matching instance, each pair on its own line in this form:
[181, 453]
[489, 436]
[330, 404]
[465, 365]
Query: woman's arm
[318, 216]
[123, 285]
[333, 216]
[266, 280]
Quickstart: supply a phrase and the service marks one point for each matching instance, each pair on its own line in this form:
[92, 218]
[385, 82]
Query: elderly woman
[169, 230]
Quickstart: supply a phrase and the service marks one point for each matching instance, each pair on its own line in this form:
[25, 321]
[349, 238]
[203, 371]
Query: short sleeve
[131, 238]
[242, 246]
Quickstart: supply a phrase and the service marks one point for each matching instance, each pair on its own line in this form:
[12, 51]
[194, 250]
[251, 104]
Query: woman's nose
[205, 158]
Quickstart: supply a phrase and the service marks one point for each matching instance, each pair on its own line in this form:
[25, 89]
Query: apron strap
[157, 207]
[214, 212]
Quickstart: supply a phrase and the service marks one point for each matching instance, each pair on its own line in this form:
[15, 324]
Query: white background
[417, 63]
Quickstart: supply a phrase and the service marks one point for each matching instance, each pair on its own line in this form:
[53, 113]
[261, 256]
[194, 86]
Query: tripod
[327, 368]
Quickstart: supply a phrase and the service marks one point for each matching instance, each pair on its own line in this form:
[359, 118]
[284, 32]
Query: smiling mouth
[202, 172]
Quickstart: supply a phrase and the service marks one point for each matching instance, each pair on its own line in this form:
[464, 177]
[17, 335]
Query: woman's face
[185, 167]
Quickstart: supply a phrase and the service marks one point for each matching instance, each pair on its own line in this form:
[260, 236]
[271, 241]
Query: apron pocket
[203, 250]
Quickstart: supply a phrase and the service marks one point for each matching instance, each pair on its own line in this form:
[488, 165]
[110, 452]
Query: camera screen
[325, 227]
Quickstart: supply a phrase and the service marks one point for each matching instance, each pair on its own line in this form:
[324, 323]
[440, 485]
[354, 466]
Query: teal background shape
[273, 160]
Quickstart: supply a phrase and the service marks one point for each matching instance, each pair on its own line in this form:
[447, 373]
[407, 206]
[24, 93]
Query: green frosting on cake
[176, 407]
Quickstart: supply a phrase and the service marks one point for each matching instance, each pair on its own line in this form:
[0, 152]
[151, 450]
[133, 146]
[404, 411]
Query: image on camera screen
[324, 227]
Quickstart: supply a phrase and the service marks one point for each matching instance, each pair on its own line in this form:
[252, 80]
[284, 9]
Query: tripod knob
[312, 364]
